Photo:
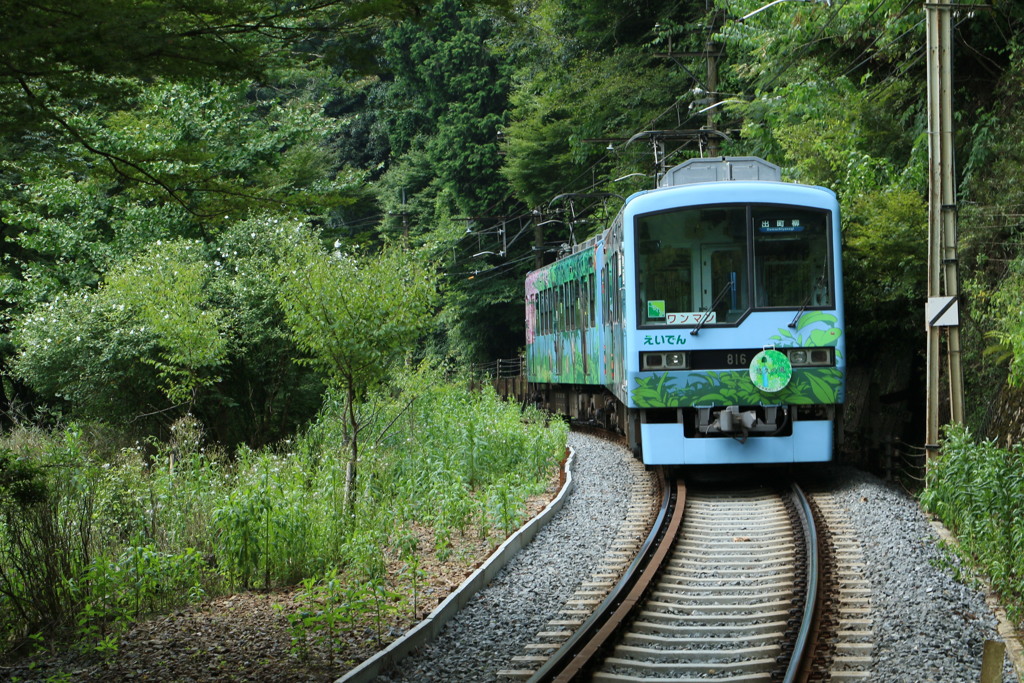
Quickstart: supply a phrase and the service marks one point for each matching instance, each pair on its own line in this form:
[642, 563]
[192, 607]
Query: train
[705, 324]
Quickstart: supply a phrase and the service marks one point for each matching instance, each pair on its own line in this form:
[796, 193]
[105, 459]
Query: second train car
[706, 323]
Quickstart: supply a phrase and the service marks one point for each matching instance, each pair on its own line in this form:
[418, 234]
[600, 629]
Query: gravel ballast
[928, 627]
[501, 619]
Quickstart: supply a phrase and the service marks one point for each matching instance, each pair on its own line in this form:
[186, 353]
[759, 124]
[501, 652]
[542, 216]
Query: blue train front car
[706, 323]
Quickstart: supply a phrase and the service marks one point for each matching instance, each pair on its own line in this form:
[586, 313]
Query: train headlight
[652, 361]
[666, 360]
[811, 357]
[821, 357]
[677, 360]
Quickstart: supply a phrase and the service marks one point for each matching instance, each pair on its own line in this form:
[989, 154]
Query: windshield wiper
[807, 301]
[704, 318]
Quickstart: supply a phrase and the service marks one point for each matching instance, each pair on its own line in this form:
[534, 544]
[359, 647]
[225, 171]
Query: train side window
[547, 311]
[584, 303]
[613, 290]
[581, 303]
[606, 292]
[540, 312]
[567, 306]
[577, 304]
[616, 311]
[562, 322]
[563, 318]
[557, 307]
[550, 305]
[591, 299]
[544, 311]
[588, 294]
[563, 305]
[556, 321]
[570, 304]
[604, 295]
[574, 305]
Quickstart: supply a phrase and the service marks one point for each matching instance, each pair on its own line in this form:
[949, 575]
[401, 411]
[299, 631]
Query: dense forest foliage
[247, 244]
[159, 162]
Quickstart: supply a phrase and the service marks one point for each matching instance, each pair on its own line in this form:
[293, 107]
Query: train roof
[729, 192]
[732, 179]
[715, 169]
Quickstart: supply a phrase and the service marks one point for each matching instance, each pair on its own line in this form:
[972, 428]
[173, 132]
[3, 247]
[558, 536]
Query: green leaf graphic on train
[730, 387]
[817, 385]
[825, 388]
[809, 332]
[654, 392]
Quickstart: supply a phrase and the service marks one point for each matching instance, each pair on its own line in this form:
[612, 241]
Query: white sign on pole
[942, 311]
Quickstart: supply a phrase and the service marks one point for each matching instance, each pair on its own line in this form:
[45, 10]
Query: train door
[723, 286]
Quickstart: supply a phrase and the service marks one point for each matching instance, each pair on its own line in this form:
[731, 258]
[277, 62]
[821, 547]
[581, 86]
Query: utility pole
[712, 94]
[405, 222]
[943, 279]
[538, 240]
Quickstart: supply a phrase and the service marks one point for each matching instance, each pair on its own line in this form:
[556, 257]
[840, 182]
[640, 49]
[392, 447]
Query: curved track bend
[726, 591]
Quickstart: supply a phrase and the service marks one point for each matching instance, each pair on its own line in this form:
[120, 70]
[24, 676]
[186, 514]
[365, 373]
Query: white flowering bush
[83, 350]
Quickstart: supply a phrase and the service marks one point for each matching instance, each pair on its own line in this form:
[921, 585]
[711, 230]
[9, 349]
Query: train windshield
[713, 264]
[791, 265]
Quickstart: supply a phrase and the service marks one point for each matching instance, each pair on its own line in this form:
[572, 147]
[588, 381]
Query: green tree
[440, 113]
[68, 228]
[154, 311]
[81, 352]
[182, 327]
[356, 317]
[442, 110]
[167, 290]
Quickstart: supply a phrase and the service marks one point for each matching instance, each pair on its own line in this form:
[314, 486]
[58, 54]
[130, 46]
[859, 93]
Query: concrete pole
[943, 279]
[712, 95]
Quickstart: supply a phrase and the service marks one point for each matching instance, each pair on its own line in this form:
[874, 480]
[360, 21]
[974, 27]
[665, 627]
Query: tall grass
[977, 490]
[92, 538]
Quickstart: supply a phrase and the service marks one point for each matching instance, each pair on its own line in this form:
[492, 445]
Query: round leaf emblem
[770, 371]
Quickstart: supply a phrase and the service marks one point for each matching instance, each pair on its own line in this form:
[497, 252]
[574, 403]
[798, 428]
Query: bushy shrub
[182, 328]
[46, 505]
[142, 580]
[275, 525]
[452, 458]
[977, 490]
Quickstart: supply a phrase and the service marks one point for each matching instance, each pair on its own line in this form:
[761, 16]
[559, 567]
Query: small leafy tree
[166, 289]
[356, 316]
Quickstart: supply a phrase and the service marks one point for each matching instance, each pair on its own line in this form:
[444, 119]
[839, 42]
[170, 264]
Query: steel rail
[800, 663]
[583, 646]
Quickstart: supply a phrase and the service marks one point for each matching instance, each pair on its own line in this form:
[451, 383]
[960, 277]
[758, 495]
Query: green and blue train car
[706, 323]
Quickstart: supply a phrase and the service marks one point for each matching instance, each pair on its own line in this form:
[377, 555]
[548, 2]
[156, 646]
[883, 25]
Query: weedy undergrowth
[977, 490]
[93, 537]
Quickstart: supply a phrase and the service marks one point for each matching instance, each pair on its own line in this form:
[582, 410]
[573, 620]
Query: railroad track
[725, 591]
[846, 637]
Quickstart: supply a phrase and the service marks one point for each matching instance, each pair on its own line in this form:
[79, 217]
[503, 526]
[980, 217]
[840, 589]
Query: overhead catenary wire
[591, 169]
[526, 217]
